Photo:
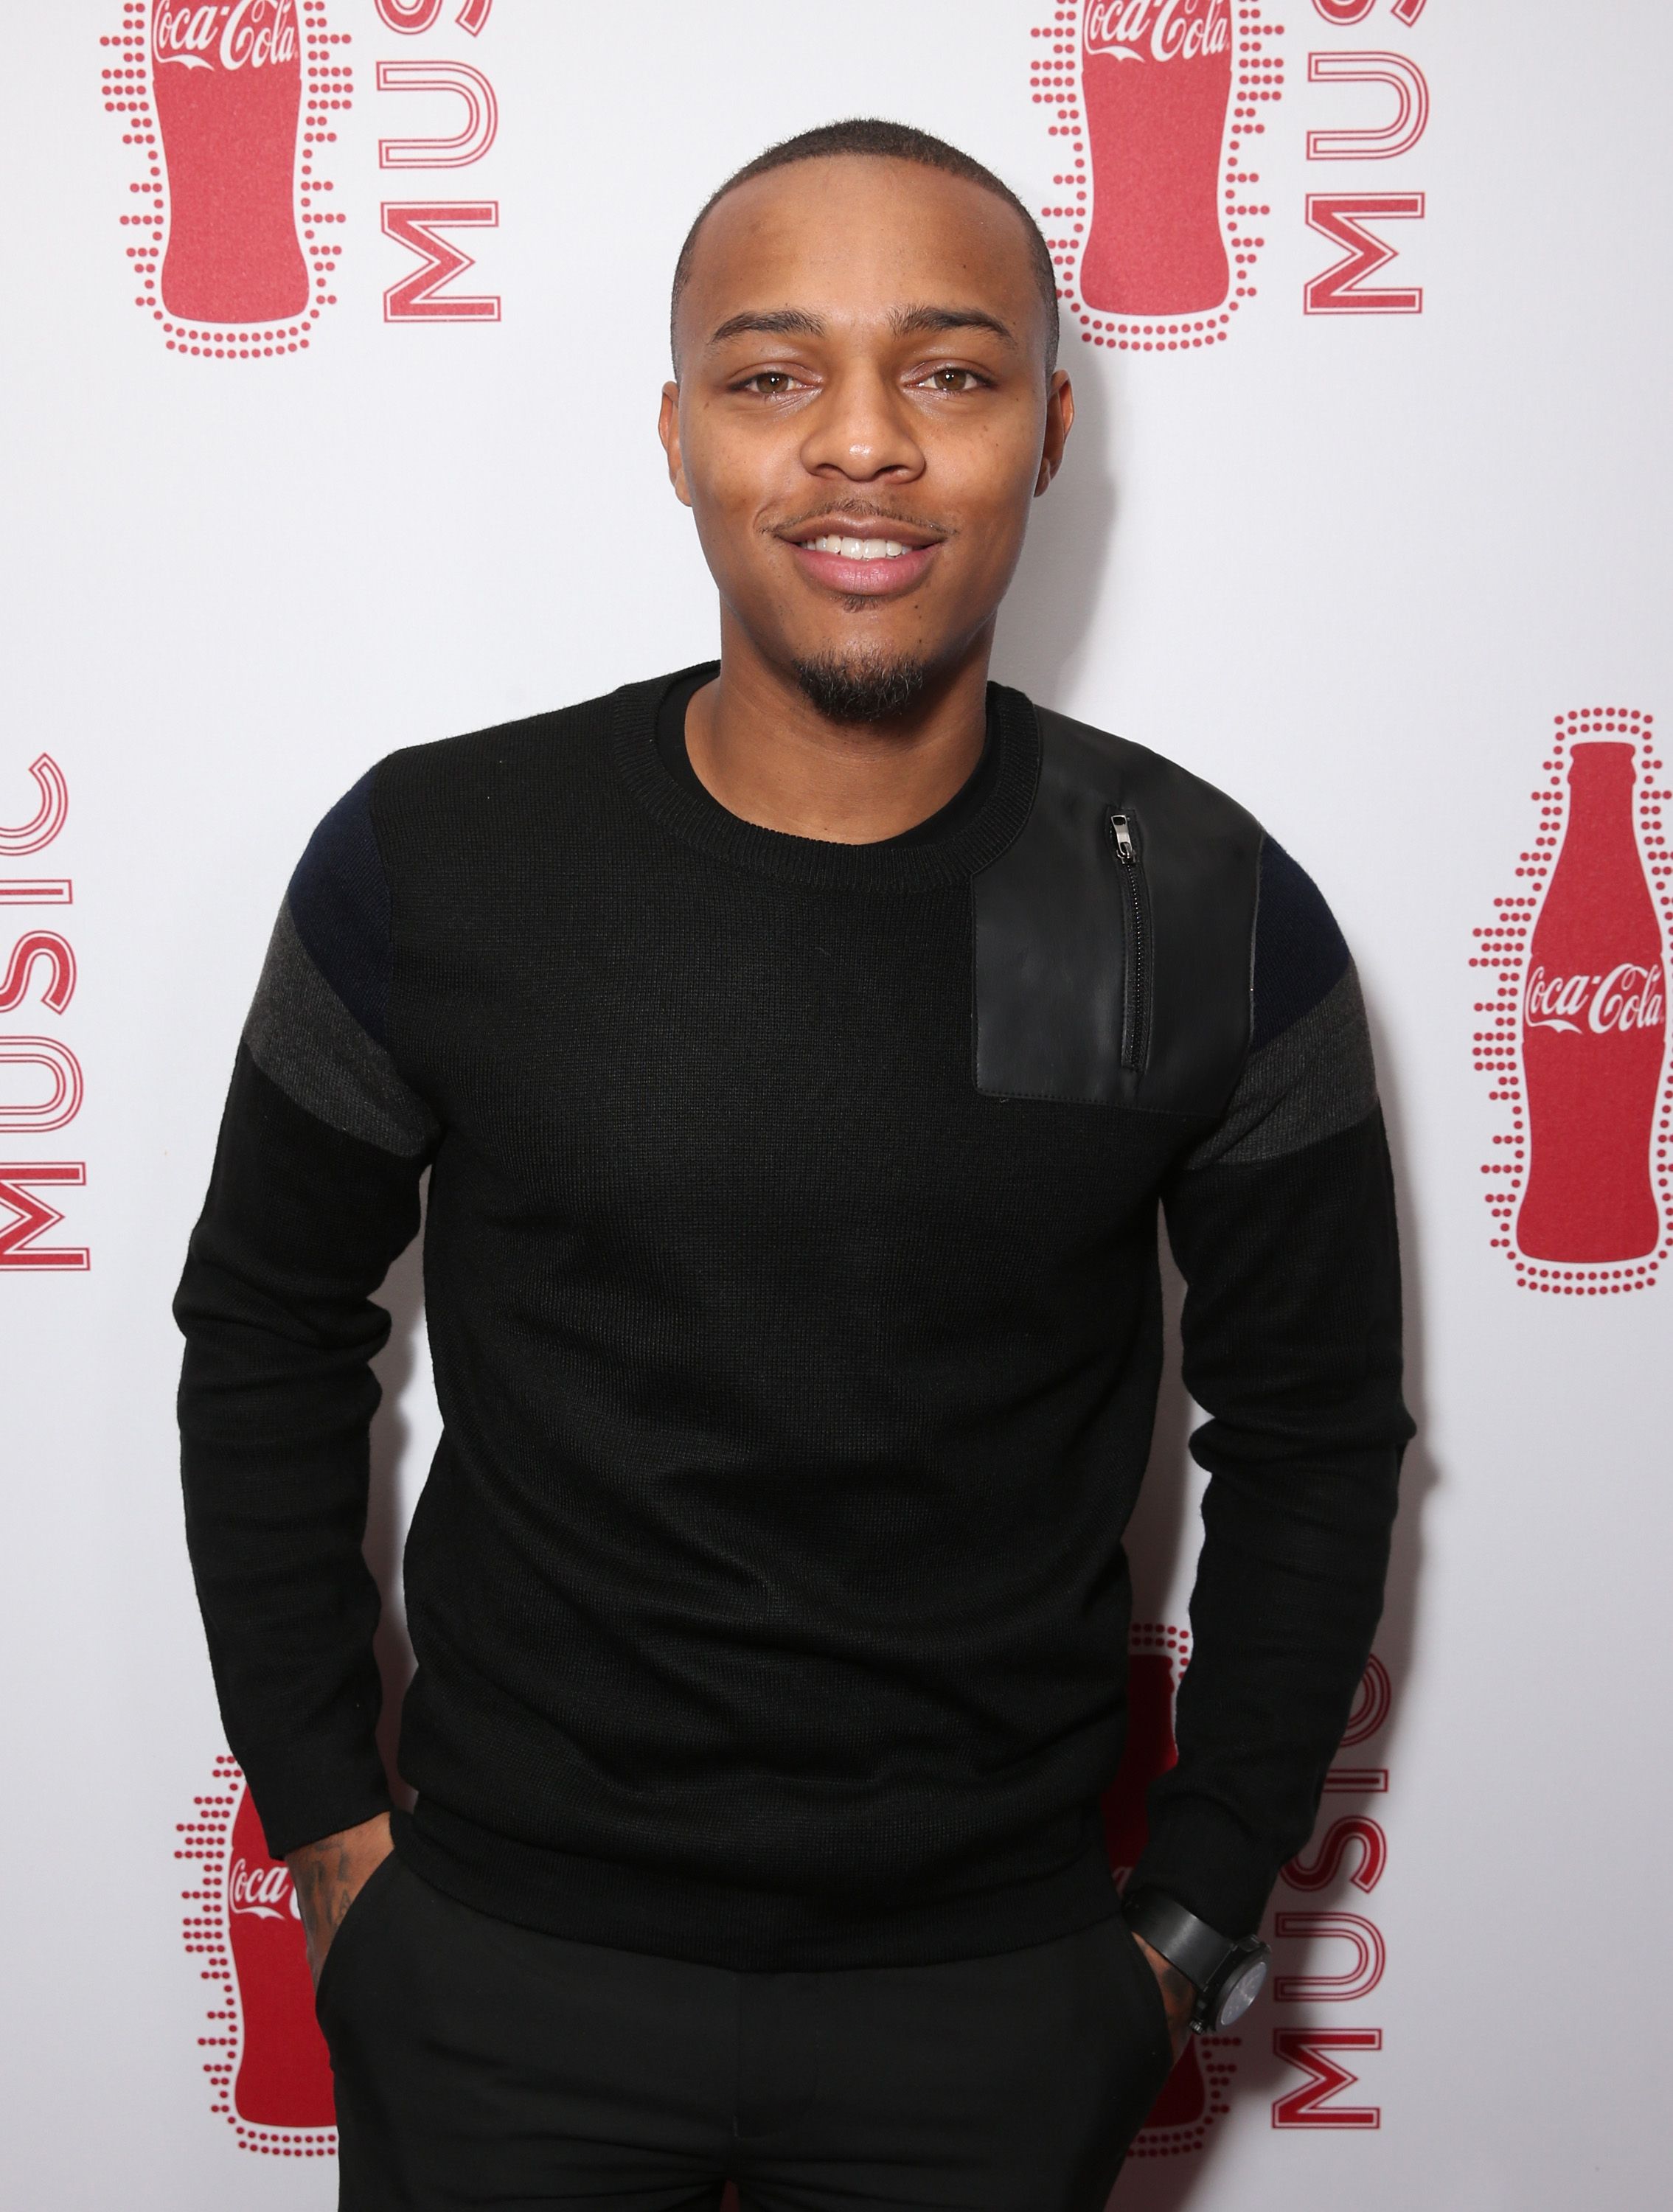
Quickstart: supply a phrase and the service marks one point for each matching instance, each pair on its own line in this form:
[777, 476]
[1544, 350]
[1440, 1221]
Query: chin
[863, 682]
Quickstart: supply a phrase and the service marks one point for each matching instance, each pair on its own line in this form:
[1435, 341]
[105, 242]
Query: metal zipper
[1135, 931]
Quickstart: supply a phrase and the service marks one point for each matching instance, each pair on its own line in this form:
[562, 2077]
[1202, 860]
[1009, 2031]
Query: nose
[862, 429]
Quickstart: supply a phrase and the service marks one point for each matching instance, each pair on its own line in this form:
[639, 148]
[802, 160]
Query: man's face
[863, 414]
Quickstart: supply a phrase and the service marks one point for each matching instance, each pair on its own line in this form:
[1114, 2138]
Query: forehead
[851, 237]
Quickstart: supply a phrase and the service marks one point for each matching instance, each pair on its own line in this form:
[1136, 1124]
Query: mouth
[878, 558]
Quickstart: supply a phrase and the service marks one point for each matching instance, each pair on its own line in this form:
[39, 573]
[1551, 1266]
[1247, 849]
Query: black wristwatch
[1228, 1973]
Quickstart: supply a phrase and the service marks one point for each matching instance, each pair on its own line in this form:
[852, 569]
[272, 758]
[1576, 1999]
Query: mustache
[858, 510]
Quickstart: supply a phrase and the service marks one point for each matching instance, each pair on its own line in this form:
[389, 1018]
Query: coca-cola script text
[239, 33]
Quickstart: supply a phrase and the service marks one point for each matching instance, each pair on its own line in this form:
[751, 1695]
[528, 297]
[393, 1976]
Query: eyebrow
[777, 322]
[911, 322]
[905, 322]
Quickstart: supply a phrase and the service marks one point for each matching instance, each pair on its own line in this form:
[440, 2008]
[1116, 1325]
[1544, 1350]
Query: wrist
[1224, 1974]
[374, 1834]
[329, 1874]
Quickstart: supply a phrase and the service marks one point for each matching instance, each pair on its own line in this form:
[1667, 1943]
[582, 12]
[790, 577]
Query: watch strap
[1200, 1952]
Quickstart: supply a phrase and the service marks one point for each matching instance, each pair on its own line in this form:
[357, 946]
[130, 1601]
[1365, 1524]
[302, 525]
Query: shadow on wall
[403, 1293]
[1045, 626]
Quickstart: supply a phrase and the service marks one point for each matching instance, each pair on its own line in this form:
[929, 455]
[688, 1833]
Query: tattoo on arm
[323, 1873]
[330, 1874]
[1179, 1995]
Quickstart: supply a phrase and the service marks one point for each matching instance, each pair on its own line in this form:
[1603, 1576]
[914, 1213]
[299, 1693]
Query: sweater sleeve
[1283, 1221]
[313, 1192]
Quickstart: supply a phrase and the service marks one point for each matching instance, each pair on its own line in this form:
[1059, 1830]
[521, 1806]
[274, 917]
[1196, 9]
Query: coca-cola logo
[1627, 998]
[1158, 30]
[267, 1891]
[237, 34]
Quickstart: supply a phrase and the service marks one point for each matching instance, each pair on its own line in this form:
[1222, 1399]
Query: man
[801, 1047]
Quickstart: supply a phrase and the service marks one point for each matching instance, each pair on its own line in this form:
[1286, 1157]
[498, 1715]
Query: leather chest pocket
[1111, 940]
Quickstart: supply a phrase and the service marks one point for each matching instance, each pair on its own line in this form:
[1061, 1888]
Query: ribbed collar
[700, 820]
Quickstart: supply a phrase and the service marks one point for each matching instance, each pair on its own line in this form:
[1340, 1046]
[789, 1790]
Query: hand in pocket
[330, 1875]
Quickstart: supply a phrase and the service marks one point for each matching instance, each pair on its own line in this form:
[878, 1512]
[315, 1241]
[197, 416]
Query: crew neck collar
[698, 819]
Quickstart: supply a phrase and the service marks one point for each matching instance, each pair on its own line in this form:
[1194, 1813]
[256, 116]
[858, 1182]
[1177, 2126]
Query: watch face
[1241, 1992]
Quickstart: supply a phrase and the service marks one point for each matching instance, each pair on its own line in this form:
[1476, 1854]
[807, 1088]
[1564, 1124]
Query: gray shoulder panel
[303, 1038]
[1314, 1080]
[1114, 936]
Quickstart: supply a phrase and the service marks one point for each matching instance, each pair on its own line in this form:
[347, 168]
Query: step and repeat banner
[336, 332]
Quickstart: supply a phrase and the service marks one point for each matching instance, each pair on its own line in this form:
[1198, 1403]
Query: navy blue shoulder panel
[1300, 952]
[339, 902]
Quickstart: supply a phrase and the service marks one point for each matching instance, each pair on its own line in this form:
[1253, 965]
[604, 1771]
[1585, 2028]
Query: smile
[869, 567]
[859, 549]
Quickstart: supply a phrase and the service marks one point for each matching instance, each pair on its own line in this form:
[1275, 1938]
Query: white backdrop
[1350, 565]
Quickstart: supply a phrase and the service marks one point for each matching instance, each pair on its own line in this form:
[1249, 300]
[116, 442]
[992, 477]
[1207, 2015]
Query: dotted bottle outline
[206, 1839]
[328, 84]
[1055, 82]
[1502, 950]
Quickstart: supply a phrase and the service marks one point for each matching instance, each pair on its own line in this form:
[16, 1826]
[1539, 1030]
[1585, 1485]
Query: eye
[950, 379]
[769, 383]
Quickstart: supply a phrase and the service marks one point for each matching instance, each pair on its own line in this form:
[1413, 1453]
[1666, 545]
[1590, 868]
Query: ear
[1059, 421]
[667, 429]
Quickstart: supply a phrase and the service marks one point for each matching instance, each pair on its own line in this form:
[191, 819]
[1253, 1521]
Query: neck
[759, 746]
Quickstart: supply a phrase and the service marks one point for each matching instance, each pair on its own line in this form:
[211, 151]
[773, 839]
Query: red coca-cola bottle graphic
[227, 81]
[1156, 83]
[284, 2076]
[1594, 1031]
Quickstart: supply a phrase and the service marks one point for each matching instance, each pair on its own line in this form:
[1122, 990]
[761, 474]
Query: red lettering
[1340, 1837]
[1310, 2107]
[39, 944]
[36, 890]
[482, 115]
[1357, 1781]
[1411, 91]
[1364, 1938]
[25, 1218]
[1341, 289]
[411, 17]
[33, 1217]
[419, 297]
[64, 1103]
[48, 818]
[1371, 1706]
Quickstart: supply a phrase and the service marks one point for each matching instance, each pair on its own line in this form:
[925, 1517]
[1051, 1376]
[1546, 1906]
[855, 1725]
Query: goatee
[861, 688]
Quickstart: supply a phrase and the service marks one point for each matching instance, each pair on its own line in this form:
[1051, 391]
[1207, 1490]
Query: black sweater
[766, 1588]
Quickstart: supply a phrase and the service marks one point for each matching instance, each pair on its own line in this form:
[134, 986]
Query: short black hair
[893, 142]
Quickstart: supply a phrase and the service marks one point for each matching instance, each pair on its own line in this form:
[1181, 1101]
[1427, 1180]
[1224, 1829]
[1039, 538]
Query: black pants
[482, 2064]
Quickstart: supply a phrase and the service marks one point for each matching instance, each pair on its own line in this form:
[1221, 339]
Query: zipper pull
[1126, 850]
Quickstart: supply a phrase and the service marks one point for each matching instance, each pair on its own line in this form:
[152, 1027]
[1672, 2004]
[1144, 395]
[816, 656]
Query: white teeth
[861, 549]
